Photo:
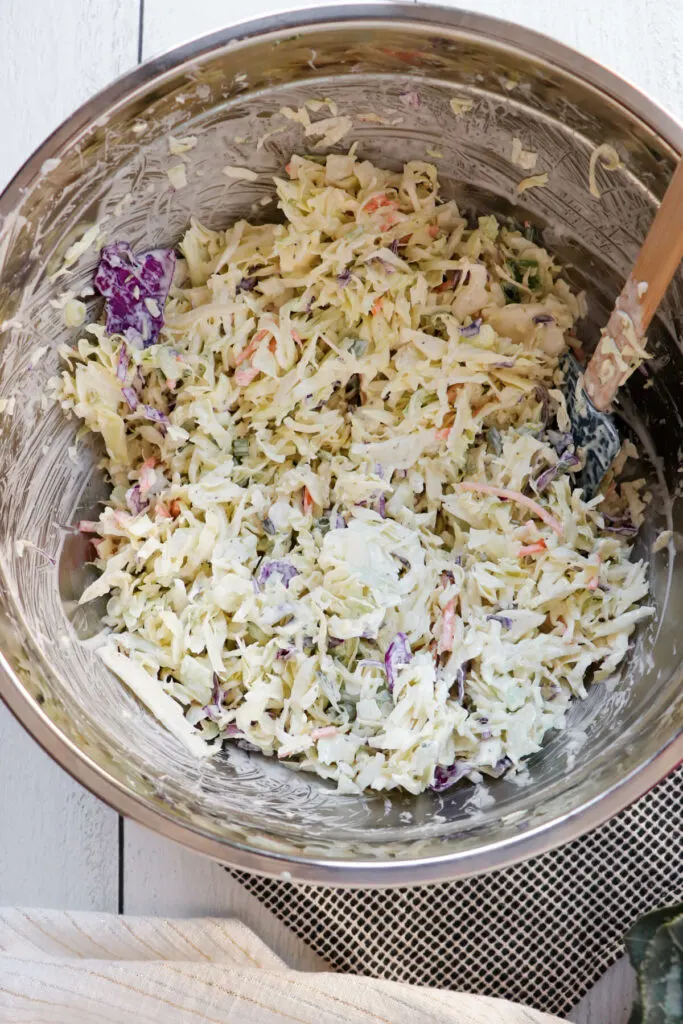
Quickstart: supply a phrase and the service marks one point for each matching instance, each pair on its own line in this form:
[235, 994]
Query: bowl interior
[108, 168]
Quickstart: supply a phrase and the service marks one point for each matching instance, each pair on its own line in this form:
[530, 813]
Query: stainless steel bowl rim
[329, 871]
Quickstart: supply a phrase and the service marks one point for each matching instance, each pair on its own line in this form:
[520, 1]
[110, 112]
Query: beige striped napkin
[61, 968]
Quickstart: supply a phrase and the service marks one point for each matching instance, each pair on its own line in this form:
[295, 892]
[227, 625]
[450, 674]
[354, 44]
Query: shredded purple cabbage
[134, 500]
[247, 284]
[394, 247]
[285, 653]
[567, 461]
[128, 283]
[156, 415]
[398, 654]
[232, 731]
[382, 506]
[216, 690]
[334, 641]
[472, 329]
[284, 570]
[410, 99]
[623, 526]
[561, 440]
[373, 663]
[344, 278]
[543, 318]
[213, 709]
[500, 767]
[131, 397]
[504, 620]
[122, 362]
[269, 526]
[444, 778]
[340, 522]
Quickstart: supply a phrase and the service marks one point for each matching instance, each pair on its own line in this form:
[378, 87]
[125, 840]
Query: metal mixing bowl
[108, 164]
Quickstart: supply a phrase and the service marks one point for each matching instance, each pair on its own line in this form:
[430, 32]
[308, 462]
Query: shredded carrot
[433, 230]
[174, 508]
[170, 384]
[376, 306]
[442, 433]
[532, 549]
[246, 352]
[389, 222]
[88, 526]
[162, 512]
[323, 732]
[375, 202]
[251, 347]
[448, 285]
[307, 501]
[521, 499]
[243, 377]
[272, 344]
[297, 337]
[447, 627]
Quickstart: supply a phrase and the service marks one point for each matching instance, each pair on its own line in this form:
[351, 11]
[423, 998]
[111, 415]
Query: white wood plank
[163, 878]
[58, 844]
[610, 1000]
[55, 54]
[640, 39]
[168, 23]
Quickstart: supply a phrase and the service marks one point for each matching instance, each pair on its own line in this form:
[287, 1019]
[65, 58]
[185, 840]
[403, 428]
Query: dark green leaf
[661, 977]
[643, 931]
[655, 948]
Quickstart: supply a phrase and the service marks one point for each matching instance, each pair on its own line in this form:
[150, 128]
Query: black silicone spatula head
[593, 431]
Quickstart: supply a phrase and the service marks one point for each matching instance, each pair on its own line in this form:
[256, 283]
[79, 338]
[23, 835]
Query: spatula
[590, 392]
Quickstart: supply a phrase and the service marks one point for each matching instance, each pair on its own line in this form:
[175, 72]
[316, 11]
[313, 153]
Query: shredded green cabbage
[332, 531]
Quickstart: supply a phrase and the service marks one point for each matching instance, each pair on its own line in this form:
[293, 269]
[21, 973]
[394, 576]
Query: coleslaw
[342, 525]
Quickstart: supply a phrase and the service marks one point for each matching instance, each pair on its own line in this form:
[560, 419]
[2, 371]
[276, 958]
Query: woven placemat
[540, 933]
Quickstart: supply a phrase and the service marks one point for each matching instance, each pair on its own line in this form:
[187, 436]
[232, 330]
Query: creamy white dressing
[342, 525]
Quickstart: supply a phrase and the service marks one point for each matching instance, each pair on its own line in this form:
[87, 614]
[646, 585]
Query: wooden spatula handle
[619, 350]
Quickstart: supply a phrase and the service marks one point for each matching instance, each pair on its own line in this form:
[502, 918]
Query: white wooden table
[59, 846]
